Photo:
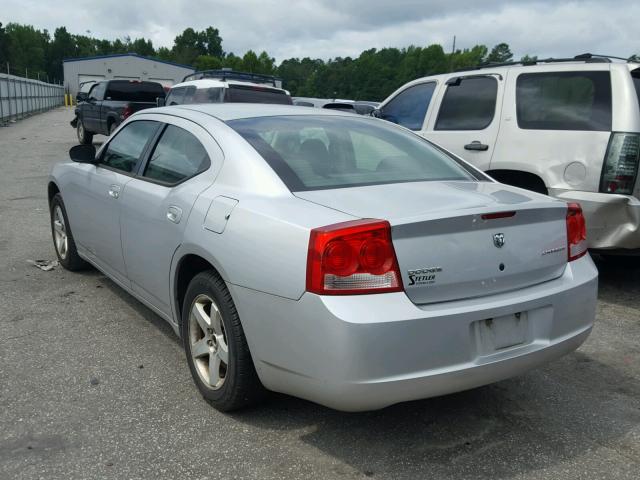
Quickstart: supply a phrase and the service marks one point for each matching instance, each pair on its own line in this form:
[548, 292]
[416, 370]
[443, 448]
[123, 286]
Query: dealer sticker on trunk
[423, 276]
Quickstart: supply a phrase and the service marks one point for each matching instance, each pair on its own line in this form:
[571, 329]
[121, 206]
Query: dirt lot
[93, 385]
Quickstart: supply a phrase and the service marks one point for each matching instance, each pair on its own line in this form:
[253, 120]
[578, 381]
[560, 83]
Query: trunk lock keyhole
[501, 267]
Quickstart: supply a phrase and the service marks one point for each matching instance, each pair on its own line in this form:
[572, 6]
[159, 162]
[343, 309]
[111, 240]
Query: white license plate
[502, 332]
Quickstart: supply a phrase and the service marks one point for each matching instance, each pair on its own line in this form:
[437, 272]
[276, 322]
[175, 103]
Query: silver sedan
[337, 258]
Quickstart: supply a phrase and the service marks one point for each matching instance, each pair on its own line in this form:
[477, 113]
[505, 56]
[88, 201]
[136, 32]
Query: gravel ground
[94, 385]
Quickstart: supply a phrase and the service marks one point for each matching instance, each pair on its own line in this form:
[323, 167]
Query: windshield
[318, 152]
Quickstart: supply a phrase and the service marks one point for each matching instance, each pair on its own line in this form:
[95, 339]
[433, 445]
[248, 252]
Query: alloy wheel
[60, 232]
[208, 342]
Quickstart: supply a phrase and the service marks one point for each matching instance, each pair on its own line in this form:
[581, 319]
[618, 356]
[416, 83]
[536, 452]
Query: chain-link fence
[20, 97]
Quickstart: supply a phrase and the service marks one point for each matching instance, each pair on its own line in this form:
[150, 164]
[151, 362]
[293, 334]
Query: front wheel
[84, 137]
[215, 345]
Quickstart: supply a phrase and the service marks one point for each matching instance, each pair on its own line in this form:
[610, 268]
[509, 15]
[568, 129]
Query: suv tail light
[576, 232]
[126, 112]
[353, 257]
[620, 168]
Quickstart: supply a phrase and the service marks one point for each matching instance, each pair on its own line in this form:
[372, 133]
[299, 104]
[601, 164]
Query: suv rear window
[318, 152]
[247, 94]
[134, 91]
[564, 101]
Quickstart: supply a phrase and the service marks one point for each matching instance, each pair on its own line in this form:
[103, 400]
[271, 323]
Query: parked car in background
[227, 86]
[109, 103]
[325, 255]
[353, 106]
[569, 128]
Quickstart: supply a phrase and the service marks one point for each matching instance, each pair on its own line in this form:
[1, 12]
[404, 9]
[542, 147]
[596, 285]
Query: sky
[330, 28]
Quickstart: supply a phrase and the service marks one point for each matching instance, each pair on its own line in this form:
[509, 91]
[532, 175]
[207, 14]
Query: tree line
[372, 75]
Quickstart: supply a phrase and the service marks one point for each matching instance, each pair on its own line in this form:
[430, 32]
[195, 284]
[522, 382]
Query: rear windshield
[311, 152]
[134, 91]
[247, 94]
[564, 101]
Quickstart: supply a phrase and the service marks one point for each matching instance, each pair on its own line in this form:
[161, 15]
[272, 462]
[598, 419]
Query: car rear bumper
[613, 221]
[366, 352]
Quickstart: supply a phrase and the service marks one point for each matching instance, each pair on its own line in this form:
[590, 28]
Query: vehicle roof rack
[586, 57]
[225, 74]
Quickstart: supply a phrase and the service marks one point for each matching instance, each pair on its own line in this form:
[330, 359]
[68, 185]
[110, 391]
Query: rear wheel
[84, 137]
[215, 345]
[63, 241]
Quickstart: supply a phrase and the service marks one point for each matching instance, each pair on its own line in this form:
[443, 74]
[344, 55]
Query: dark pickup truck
[110, 102]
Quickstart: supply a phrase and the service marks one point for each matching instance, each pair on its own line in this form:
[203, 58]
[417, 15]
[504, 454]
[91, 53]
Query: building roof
[97, 57]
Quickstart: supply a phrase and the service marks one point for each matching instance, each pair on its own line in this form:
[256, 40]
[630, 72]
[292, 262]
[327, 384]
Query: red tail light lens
[126, 112]
[351, 258]
[576, 232]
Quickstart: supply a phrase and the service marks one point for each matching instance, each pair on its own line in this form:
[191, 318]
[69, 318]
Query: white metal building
[121, 66]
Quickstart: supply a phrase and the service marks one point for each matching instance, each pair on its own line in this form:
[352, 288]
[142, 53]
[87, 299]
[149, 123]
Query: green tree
[213, 42]
[4, 48]
[62, 46]
[142, 47]
[529, 58]
[500, 54]
[207, 62]
[27, 48]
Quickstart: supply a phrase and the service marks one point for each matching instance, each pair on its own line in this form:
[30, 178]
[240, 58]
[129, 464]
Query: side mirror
[160, 102]
[81, 97]
[83, 154]
[376, 113]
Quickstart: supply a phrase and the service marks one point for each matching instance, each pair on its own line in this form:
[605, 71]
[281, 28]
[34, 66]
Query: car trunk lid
[449, 243]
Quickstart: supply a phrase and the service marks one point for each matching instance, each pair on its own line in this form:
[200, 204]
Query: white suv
[569, 128]
[228, 86]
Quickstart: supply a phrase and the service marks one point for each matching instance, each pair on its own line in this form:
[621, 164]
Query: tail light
[620, 168]
[576, 232]
[354, 257]
[126, 112]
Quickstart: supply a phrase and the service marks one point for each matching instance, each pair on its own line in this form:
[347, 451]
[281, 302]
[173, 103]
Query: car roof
[213, 82]
[235, 111]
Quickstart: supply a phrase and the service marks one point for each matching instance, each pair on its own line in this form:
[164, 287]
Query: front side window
[312, 152]
[97, 91]
[176, 96]
[468, 104]
[564, 101]
[409, 107]
[124, 151]
[177, 156]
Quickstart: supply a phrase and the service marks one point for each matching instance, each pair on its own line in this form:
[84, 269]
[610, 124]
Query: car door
[468, 117]
[157, 203]
[410, 106]
[96, 210]
[91, 110]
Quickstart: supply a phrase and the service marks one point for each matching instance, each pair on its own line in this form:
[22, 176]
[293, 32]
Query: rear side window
[469, 104]
[208, 95]
[564, 101]
[635, 76]
[409, 107]
[123, 90]
[177, 156]
[124, 151]
[246, 94]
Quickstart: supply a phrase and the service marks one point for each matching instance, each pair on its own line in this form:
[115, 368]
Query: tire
[84, 137]
[234, 384]
[63, 242]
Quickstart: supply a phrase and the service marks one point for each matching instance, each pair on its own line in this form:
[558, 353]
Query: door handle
[114, 191]
[174, 214]
[476, 145]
